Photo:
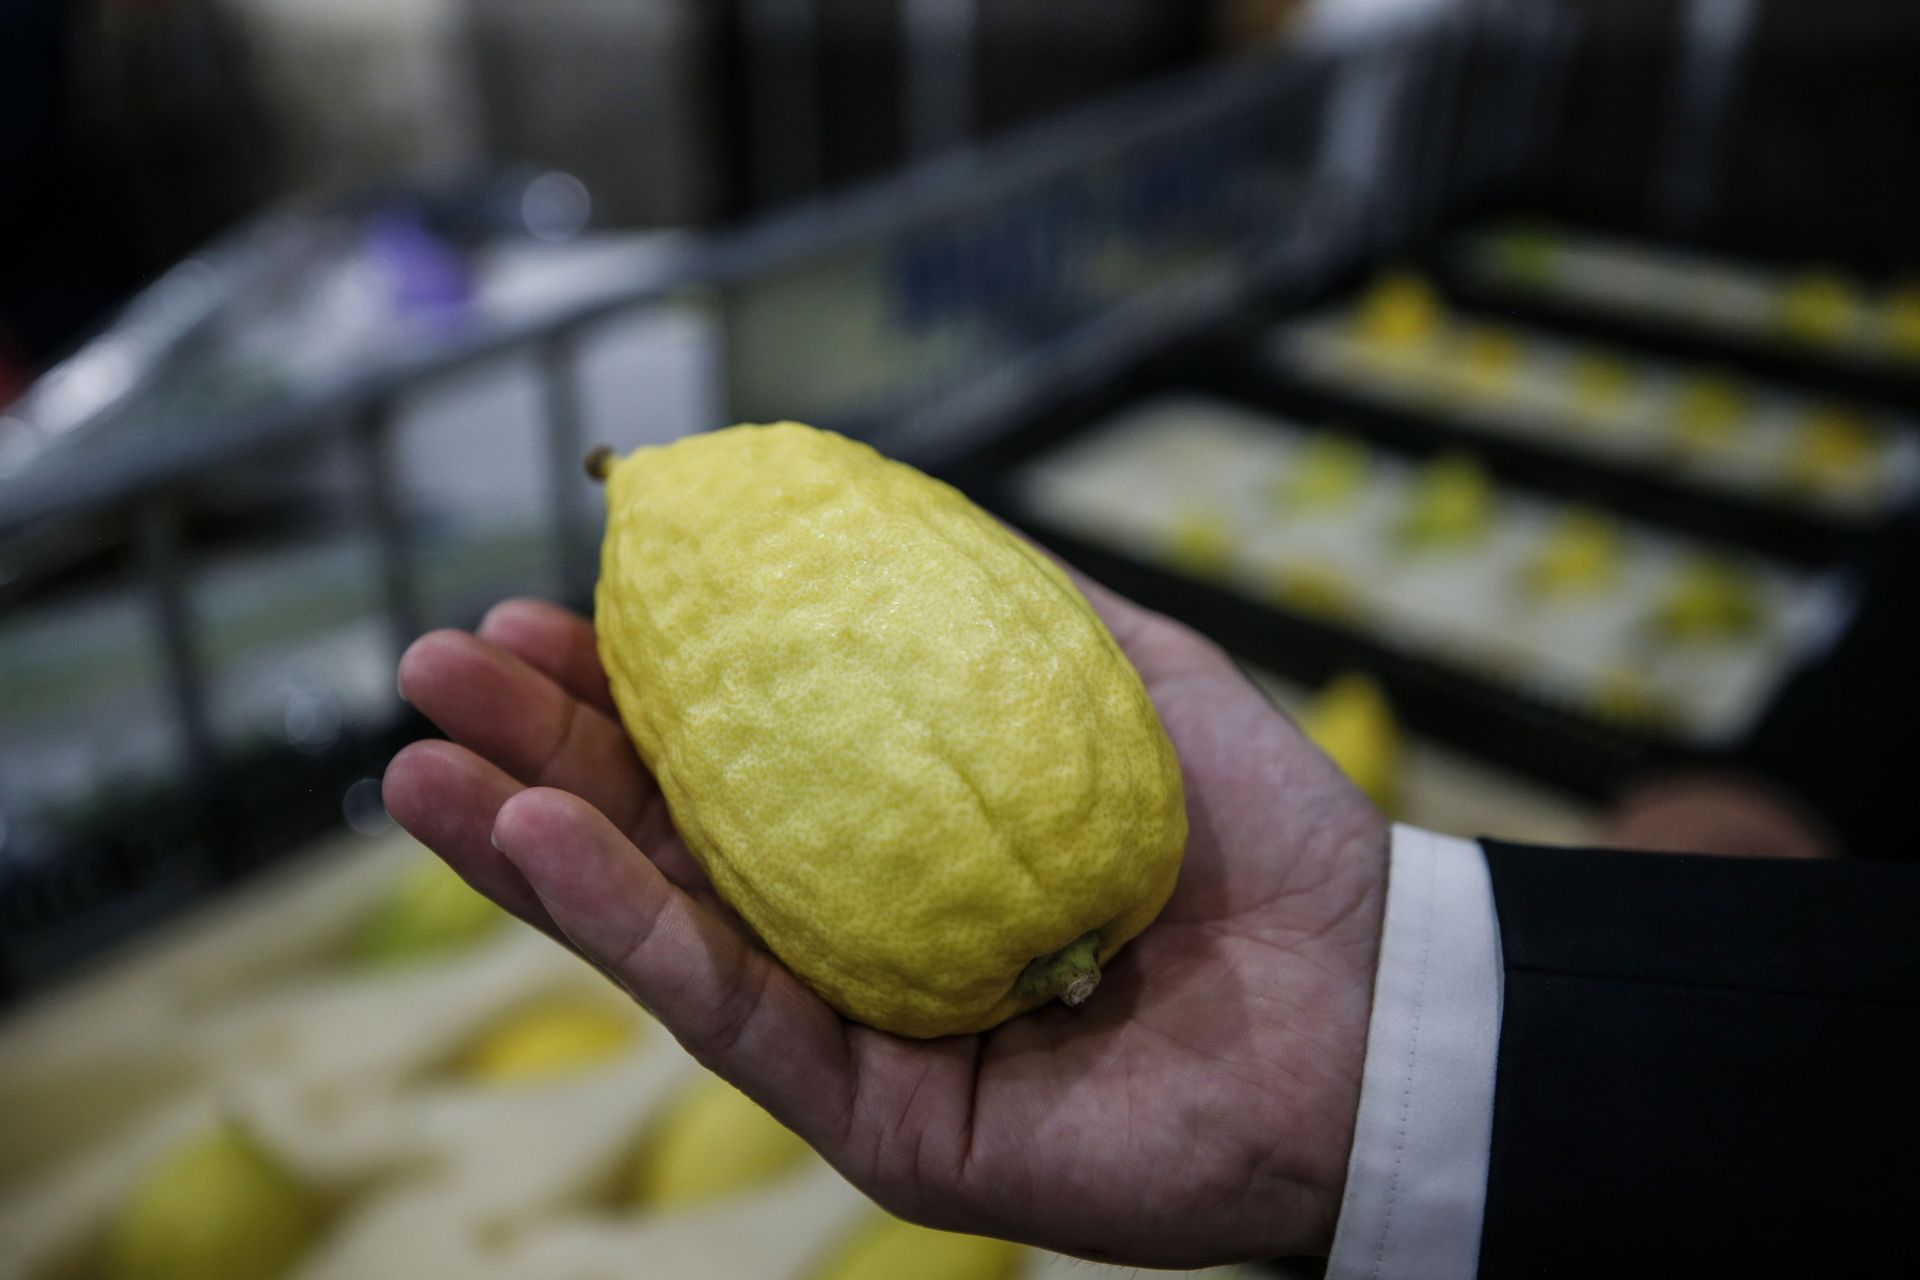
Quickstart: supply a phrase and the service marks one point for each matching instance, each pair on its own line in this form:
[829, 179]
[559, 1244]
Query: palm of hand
[1199, 1109]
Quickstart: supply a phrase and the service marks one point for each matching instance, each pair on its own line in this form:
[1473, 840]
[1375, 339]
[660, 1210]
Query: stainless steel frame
[1400, 139]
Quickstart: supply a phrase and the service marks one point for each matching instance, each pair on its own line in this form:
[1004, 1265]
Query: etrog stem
[1071, 973]
[600, 460]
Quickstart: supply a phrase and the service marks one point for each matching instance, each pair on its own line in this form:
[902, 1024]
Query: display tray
[1574, 692]
[1651, 493]
[475, 1103]
[1707, 429]
[1808, 324]
[1720, 451]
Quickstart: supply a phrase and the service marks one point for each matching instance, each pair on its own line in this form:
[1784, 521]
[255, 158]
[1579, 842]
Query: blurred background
[1525, 390]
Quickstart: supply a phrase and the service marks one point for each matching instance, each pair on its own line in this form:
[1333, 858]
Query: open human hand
[1198, 1109]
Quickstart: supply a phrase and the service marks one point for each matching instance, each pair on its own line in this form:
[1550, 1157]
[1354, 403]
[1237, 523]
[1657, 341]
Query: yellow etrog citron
[1601, 382]
[1581, 555]
[1834, 449]
[429, 910]
[714, 1142]
[1527, 253]
[552, 1039]
[1902, 321]
[1490, 356]
[217, 1205]
[1709, 599]
[1328, 470]
[1449, 503]
[1316, 590]
[1624, 695]
[1400, 309]
[889, 1249]
[1201, 544]
[897, 737]
[1820, 307]
[1709, 413]
[1352, 721]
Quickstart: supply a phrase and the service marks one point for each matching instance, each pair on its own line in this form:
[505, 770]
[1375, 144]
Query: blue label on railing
[853, 337]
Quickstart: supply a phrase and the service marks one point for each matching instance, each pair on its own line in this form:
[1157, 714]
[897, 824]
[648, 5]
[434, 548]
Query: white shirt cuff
[1417, 1177]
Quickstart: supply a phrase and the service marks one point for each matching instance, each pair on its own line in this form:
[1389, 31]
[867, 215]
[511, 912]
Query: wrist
[1357, 896]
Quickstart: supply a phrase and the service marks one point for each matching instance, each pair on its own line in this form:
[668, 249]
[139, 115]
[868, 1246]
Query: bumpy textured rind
[898, 738]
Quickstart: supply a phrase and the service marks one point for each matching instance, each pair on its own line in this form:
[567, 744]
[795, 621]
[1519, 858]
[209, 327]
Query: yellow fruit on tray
[218, 1205]
[1625, 696]
[1835, 448]
[1450, 503]
[896, 736]
[1601, 383]
[1316, 590]
[1353, 723]
[1582, 555]
[431, 909]
[1329, 469]
[889, 1249]
[1490, 357]
[1527, 254]
[1400, 310]
[1820, 308]
[1200, 545]
[1709, 412]
[558, 1037]
[715, 1141]
[1709, 599]
[1902, 319]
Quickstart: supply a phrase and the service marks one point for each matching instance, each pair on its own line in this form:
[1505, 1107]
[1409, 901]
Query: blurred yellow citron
[1351, 720]
[715, 1141]
[1625, 696]
[1400, 309]
[1527, 253]
[1581, 555]
[430, 909]
[1490, 357]
[1820, 307]
[1708, 413]
[1327, 470]
[217, 1205]
[1201, 545]
[1601, 382]
[1708, 599]
[1902, 321]
[1316, 590]
[889, 1249]
[557, 1037]
[1450, 502]
[1835, 447]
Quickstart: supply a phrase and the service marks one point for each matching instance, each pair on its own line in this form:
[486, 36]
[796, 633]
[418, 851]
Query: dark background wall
[1819, 153]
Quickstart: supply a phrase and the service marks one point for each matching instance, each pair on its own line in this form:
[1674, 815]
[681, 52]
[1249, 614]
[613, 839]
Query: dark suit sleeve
[1707, 1067]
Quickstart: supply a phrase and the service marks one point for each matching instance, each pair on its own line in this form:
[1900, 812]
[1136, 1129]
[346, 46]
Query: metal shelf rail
[985, 279]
